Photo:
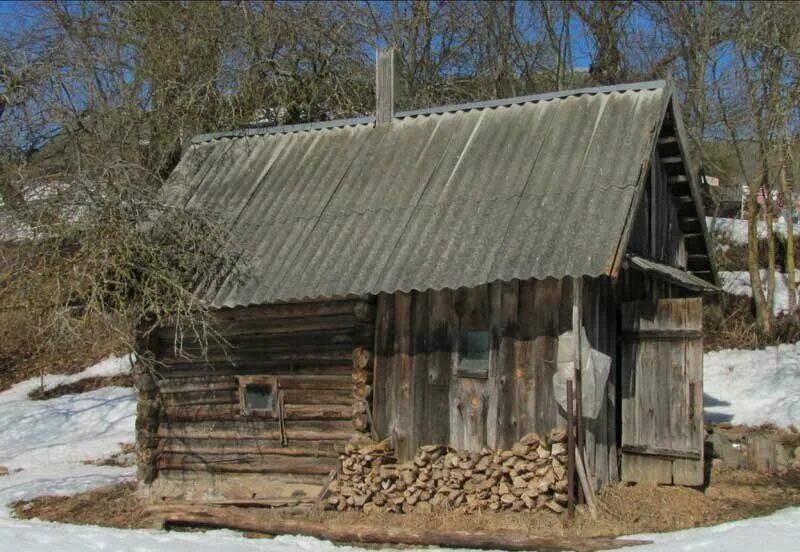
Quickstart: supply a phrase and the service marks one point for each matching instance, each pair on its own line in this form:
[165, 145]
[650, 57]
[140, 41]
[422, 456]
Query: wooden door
[662, 392]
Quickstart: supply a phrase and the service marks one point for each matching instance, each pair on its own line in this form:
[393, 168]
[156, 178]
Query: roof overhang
[670, 274]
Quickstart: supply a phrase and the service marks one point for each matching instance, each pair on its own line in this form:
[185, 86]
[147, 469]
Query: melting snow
[45, 442]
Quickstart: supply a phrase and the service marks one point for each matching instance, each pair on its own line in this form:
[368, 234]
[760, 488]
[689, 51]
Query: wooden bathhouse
[432, 276]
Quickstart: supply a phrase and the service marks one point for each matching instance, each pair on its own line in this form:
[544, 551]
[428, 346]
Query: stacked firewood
[530, 475]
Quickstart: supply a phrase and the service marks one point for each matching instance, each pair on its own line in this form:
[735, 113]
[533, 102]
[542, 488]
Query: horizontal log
[221, 447]
[169, 386]
[302, 324]
[243, 455]
[332, 430]
[244, 520]
[200, 369]
[287, 310]
[264, 358]
[307, 340]
[200, 398]
[254, 464]
[215, 412]
[231, 397]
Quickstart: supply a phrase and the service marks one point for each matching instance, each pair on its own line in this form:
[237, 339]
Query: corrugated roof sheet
[528, 187]
[671, 274]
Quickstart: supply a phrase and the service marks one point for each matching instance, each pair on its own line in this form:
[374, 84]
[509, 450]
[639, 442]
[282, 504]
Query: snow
[738, 283]
[45, 442]
[735, 230]
[753, 387]
[779, 532]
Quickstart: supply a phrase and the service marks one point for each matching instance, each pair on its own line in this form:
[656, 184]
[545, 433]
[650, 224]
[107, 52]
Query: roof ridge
[438, 110]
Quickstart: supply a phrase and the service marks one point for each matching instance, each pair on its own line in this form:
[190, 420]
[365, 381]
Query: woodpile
[529, 476]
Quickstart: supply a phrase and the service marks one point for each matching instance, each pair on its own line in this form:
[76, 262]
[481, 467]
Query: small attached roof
[671, 274]
[457, 196]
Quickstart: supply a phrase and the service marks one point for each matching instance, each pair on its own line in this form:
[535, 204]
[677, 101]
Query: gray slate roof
[540, 186]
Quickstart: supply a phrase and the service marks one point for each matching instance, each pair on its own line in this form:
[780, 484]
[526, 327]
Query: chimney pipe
[386, 85]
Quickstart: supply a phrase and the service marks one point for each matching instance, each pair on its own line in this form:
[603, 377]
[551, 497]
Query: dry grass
[625, 509]
[729, 323]
[82, 386]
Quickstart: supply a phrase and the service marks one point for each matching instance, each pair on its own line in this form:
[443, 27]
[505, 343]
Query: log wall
[422, 399]
[319, 354]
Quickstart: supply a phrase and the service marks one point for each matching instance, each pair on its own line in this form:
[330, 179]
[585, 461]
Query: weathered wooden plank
[542, 368]
[187, 369]
[661, 452]
[383, 389]
[221, 412]
[202, 445]
[442, 347]
[248, 464]
[210, 453]
[663, 407]
[306, 430]
[506, 432]
[469, 394]
[419, 377]
[403, 379]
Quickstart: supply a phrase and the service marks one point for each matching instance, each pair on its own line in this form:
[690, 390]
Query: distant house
[421, 276]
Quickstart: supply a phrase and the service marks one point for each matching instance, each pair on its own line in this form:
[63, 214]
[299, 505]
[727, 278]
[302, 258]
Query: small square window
[474, 356]
[259, 397]
[258, 394]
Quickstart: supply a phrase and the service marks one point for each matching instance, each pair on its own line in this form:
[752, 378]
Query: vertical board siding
[422, 399]
[662, 391]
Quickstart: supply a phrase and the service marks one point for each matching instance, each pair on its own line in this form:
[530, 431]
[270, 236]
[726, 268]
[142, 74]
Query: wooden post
[570, 452]
[386, 85]
[577, 333]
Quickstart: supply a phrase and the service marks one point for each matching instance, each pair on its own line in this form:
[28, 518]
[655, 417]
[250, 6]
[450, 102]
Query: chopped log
[243, 520]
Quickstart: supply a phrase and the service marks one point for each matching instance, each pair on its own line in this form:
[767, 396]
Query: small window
[474, 356]
[258, 394]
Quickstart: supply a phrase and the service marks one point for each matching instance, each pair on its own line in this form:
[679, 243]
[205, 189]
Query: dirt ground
[624, 509]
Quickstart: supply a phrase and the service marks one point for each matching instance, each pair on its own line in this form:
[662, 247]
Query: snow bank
[735, 230]
[779, 532]
[753, 387]
[738, 283]
[44, 443]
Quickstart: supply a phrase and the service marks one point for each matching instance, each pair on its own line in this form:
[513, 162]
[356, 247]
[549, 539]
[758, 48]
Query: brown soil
[81, 386]
[624, 509]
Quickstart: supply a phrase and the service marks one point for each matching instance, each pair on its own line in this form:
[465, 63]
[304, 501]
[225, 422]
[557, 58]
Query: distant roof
[531, 187]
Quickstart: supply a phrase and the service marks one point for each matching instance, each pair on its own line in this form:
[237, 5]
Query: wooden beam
[660, 452]
[243, 520]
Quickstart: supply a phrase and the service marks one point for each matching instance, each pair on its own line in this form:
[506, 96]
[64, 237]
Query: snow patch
[753, 387]
[735, 230]
[738, 283]
[777, 532]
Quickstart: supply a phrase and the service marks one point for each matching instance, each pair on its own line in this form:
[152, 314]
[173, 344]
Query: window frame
[271, 381]
[461, 368]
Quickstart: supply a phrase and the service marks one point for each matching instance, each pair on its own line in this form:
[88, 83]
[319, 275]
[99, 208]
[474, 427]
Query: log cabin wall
[304, 353]
[425, 395]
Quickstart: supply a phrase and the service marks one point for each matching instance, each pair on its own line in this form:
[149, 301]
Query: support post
[577, 332]
[570, 451]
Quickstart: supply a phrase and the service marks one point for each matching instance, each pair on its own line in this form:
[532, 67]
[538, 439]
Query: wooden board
[662, 391]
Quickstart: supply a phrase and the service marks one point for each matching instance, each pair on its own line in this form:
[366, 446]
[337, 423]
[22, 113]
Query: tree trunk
[788, 199]
[762, 315]
[770, 220]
